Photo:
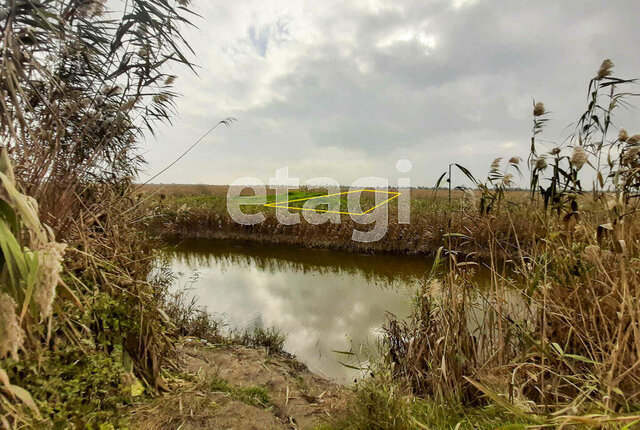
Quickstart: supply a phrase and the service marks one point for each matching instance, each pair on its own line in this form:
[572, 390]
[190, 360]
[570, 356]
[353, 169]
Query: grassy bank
[200, 211]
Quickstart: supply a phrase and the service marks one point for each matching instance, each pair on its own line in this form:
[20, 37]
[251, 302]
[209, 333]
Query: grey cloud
[465, 97]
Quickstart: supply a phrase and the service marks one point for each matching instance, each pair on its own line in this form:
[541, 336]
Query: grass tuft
[253, 395]
[270, 339]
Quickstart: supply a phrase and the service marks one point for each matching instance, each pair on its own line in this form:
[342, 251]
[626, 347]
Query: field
[200, 211]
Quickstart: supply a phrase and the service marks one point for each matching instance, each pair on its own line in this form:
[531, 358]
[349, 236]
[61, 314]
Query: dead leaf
[25, 397]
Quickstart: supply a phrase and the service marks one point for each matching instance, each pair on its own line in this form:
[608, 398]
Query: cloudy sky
[344, 89]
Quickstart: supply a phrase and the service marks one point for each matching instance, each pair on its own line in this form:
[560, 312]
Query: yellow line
[277, 204]
[386, 201]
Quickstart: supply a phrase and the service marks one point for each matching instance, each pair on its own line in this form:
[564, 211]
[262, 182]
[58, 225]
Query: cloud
[317, 85]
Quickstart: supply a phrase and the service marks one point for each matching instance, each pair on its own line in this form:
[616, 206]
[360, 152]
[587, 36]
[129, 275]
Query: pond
[324, 301]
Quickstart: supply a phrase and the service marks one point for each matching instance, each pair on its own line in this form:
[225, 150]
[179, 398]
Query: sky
[345, 89]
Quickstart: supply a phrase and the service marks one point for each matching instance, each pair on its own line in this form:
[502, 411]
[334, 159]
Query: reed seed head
[434, 288]
[507, 180]
[161, 98]
[591, 254]
[129, 104]
[555, 151]
[605, 69]
[111, 91]
[469, 196]
[634, 140]
[495, 164]
[90, 9]
[541, 163]
[623, 135]
[630, 157]
[579, 157]
[514, 160]
[49, 268]
[11, 334]
[538, 109]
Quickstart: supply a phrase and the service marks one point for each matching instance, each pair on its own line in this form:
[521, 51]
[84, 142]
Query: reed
[70, 119]
[554, 340]
[187, 213]
[69, 123]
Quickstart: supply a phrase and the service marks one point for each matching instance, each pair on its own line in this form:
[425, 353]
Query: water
[324, 301]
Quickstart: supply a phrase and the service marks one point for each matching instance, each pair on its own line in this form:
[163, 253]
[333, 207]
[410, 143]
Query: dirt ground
[297, 398]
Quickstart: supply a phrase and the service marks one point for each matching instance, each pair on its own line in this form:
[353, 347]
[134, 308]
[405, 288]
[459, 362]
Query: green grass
[320, 201]
[381, 403]
[295, 195]
[254, 395]
[73, 389]
[269, 338]
[199, 201]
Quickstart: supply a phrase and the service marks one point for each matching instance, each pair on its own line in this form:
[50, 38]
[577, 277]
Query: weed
[254, 395]
[72, 388]
[191, 320]
[269, 338]
[382, 403]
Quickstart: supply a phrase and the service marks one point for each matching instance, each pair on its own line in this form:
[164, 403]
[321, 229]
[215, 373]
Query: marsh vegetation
[564, 352]
[89, 323]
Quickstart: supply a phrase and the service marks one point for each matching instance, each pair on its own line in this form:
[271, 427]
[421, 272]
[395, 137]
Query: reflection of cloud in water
[319, 310]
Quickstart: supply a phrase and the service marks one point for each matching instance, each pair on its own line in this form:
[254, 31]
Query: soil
[298, 399]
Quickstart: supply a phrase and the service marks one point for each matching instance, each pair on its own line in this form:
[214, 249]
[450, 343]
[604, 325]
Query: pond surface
[324, 301]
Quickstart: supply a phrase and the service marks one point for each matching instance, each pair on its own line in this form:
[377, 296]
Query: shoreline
[292, 240]
[434, 225]
[233, 386]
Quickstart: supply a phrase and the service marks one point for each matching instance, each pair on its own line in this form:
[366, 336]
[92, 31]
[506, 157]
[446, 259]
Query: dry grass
[190, 212]
[567, 343]
[562, 348]
[69, 122]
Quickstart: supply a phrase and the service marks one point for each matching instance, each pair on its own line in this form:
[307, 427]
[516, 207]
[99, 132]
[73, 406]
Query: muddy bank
[421, 237]
[334, 237]
[242, 388]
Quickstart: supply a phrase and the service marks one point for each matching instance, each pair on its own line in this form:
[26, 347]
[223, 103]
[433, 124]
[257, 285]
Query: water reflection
[385, 269]
[323, 300]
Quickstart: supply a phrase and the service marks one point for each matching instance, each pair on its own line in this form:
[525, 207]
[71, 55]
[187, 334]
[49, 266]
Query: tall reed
[555, 338]
[78, 86]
